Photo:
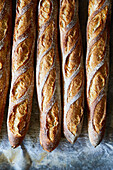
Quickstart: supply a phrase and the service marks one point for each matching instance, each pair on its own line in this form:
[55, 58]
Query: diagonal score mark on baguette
[45, 109]
[97, 67]
[72, 68]
[5, 50]
[48, 75]
[22, 83]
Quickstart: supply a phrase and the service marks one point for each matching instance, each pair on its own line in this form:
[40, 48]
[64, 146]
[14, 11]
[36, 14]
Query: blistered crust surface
[47, 74]
[22, 68]
[97, 61]
[45, 11]
[18, 118]
[73, 73]
[74, 114]
[66, 12]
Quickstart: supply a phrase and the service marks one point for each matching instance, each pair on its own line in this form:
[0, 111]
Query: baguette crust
[72, 69]
[97, 67]
[22, 83]
[5, 50]
[48, 75]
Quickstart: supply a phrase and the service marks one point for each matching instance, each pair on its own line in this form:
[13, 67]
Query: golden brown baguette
[97, 67]
[22, 83]
[5, 50]
[48, 75]
[72, 69]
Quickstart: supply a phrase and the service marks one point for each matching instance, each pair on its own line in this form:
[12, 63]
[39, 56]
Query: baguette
[22, 83]
[72, 69]
[97, 67]
[48, 75]
[5, 51]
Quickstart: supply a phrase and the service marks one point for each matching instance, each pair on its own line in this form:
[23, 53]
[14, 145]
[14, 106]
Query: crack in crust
[20, 86]
[98, 83]
[97, 23]
[73, 59]
[45, 40]
[48, 75]
[97, 65]
[21, 4]
[74, 114]
[66, 12]
[75, 86]
[99, 119]
[48, 89]
[97, 53]
[94, 5]
[45, 64]
[71, 38]
[73, 73]
[5, 49]
[18, 118]
[52, 122]
[22, 70]
[45, 12]
[22, 53]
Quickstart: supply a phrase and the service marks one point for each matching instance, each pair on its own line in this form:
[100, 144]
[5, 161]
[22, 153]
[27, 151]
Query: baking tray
[81, 155]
